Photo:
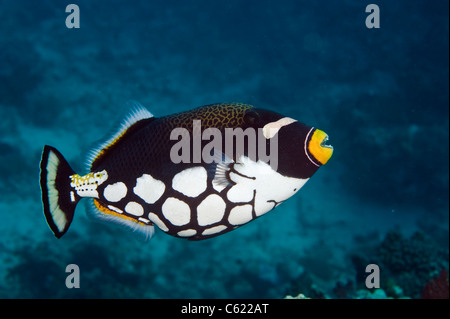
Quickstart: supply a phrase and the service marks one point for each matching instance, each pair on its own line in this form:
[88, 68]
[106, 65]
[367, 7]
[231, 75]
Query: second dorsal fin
[137, 114]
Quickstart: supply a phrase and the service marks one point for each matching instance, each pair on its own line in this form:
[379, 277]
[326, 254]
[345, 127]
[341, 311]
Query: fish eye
[295, 189]
[251, 118]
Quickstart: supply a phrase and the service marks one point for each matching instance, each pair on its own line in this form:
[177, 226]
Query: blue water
[381, 94]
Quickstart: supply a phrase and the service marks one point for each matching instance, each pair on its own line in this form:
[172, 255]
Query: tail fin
[57, 198]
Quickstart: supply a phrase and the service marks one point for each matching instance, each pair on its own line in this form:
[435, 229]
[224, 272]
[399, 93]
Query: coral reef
[299, 296]
[437, 288]
[367, 294]
[410, 262]
[306, 284]
[406, 263]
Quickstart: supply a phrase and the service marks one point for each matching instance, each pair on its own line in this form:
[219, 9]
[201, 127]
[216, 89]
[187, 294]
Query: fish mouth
[319, 148]
[324, 142]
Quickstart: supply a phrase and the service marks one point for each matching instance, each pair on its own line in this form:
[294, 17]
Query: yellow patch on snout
[316, 147]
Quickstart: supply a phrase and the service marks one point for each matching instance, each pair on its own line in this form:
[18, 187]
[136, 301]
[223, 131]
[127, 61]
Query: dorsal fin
[137, 114]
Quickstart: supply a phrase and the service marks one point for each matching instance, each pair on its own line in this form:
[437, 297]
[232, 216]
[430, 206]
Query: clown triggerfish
[195, 174]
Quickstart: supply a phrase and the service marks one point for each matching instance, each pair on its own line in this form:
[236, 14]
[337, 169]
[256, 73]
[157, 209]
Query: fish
[195, 174]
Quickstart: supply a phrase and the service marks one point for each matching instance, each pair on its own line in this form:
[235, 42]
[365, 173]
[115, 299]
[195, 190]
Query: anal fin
[103, 213]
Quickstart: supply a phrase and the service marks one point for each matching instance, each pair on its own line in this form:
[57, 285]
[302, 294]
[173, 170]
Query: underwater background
[381, 94]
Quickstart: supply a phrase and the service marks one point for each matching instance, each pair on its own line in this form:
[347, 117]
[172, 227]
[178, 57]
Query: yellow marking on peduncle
[88, 179]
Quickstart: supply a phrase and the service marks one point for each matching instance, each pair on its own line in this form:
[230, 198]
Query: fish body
[195, 174]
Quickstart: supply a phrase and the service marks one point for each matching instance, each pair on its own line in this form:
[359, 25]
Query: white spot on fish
[258, 181]
[115, 192]
[272, 128]
[190, 182]
[149, 188]
[176, 211]
[144, 220]
[240, 215]
[218, 187]
[214, 230]
[115, 209]
[158, 222]
[187, 233]
[211, 210]
[134, 208]
[241, 193]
